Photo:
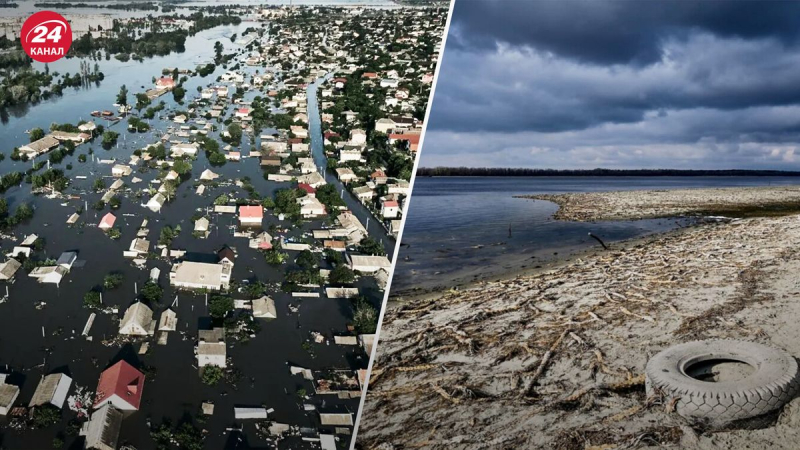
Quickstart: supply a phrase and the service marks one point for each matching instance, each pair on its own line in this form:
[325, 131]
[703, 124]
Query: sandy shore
[556, 359]
[631, 205]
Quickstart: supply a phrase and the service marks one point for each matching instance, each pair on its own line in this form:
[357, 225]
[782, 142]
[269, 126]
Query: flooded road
[374, 226]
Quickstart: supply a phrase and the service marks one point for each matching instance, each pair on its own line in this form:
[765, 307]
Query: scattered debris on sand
[556, 359]
[633, 205]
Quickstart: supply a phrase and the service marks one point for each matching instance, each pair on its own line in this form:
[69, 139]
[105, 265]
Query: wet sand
[555, 359]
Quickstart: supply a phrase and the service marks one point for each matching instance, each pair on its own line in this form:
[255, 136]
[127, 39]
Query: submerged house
[198, 275]
[38, 147]
[226, 255]
[139, 246]
[121, 170]
[262, 242]
[102, 429]
[137, 321]
[211, 349]
[156, 202]
[52, 390]
[336, 419]
[120, 385]
[48, 274]
[107, 222]
[251, 215]
[54, 274]
[168, 321]
[183, 148]
[264, 308]
[66, 260]
[8, 395]
[208, 175]
[310, 207]
[9, 268]
[201, 225]
[368, 263]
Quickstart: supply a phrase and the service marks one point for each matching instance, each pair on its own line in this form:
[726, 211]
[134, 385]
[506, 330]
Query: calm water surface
[457, 228]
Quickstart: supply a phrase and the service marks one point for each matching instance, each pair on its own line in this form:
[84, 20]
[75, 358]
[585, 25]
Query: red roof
[390, 204]
[295, 141]
[378, 174]
[306, 187]
[369, 75]
[412, 138]
[244, 110]
[337, 80]
[329, 134]
[251, 212]
[165, 81]
[108, 221]
[122, 380]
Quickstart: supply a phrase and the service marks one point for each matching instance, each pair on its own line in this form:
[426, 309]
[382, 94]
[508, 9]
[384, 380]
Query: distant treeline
[145, 6]
[512, 172]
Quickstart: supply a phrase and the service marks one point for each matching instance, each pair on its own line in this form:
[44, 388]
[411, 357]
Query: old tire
[773, 382]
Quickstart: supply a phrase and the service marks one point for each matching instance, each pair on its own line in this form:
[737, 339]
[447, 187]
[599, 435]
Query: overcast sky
[624, 84]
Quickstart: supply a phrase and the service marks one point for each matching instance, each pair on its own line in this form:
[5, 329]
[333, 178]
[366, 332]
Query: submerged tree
[212, 375]
[219, 306]
[122, 97]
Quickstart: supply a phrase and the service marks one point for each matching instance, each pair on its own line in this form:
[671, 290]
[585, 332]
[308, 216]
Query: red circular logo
[46, 36]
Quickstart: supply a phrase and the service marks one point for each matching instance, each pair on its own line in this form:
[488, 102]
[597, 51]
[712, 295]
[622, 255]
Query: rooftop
[123, 380]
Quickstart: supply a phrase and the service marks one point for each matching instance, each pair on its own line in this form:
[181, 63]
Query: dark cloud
[619, 83]
[616, 32]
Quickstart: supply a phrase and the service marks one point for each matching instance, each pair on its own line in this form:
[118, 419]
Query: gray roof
[51, 389]
[197, 272]
[213, 335]
[9, 268]
[341, 419]
[67, 258]
[264, 307]
[8, 393]
[102, 430]
[42, 144]
[137, 316]
[205, 348]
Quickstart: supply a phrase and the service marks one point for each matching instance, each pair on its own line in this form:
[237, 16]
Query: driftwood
[627, 384]
[526, 390]
[574, 337]
[599, 240]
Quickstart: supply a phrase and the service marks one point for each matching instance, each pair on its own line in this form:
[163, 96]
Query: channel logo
[46, 36]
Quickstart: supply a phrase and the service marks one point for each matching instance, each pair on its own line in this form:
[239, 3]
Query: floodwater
[376, 230]
[27, 7]
[34, 342]
[463, 229]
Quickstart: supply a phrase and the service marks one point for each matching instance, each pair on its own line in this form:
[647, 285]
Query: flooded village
[196, 243]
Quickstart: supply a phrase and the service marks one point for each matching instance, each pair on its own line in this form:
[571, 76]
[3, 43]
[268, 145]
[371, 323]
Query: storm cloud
[619, 84]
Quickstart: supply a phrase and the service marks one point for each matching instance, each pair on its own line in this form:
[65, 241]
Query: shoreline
[565, 257]
[737, 202]
[591, 320]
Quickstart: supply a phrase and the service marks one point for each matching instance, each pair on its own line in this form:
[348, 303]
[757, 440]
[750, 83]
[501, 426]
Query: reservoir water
[457, 229]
